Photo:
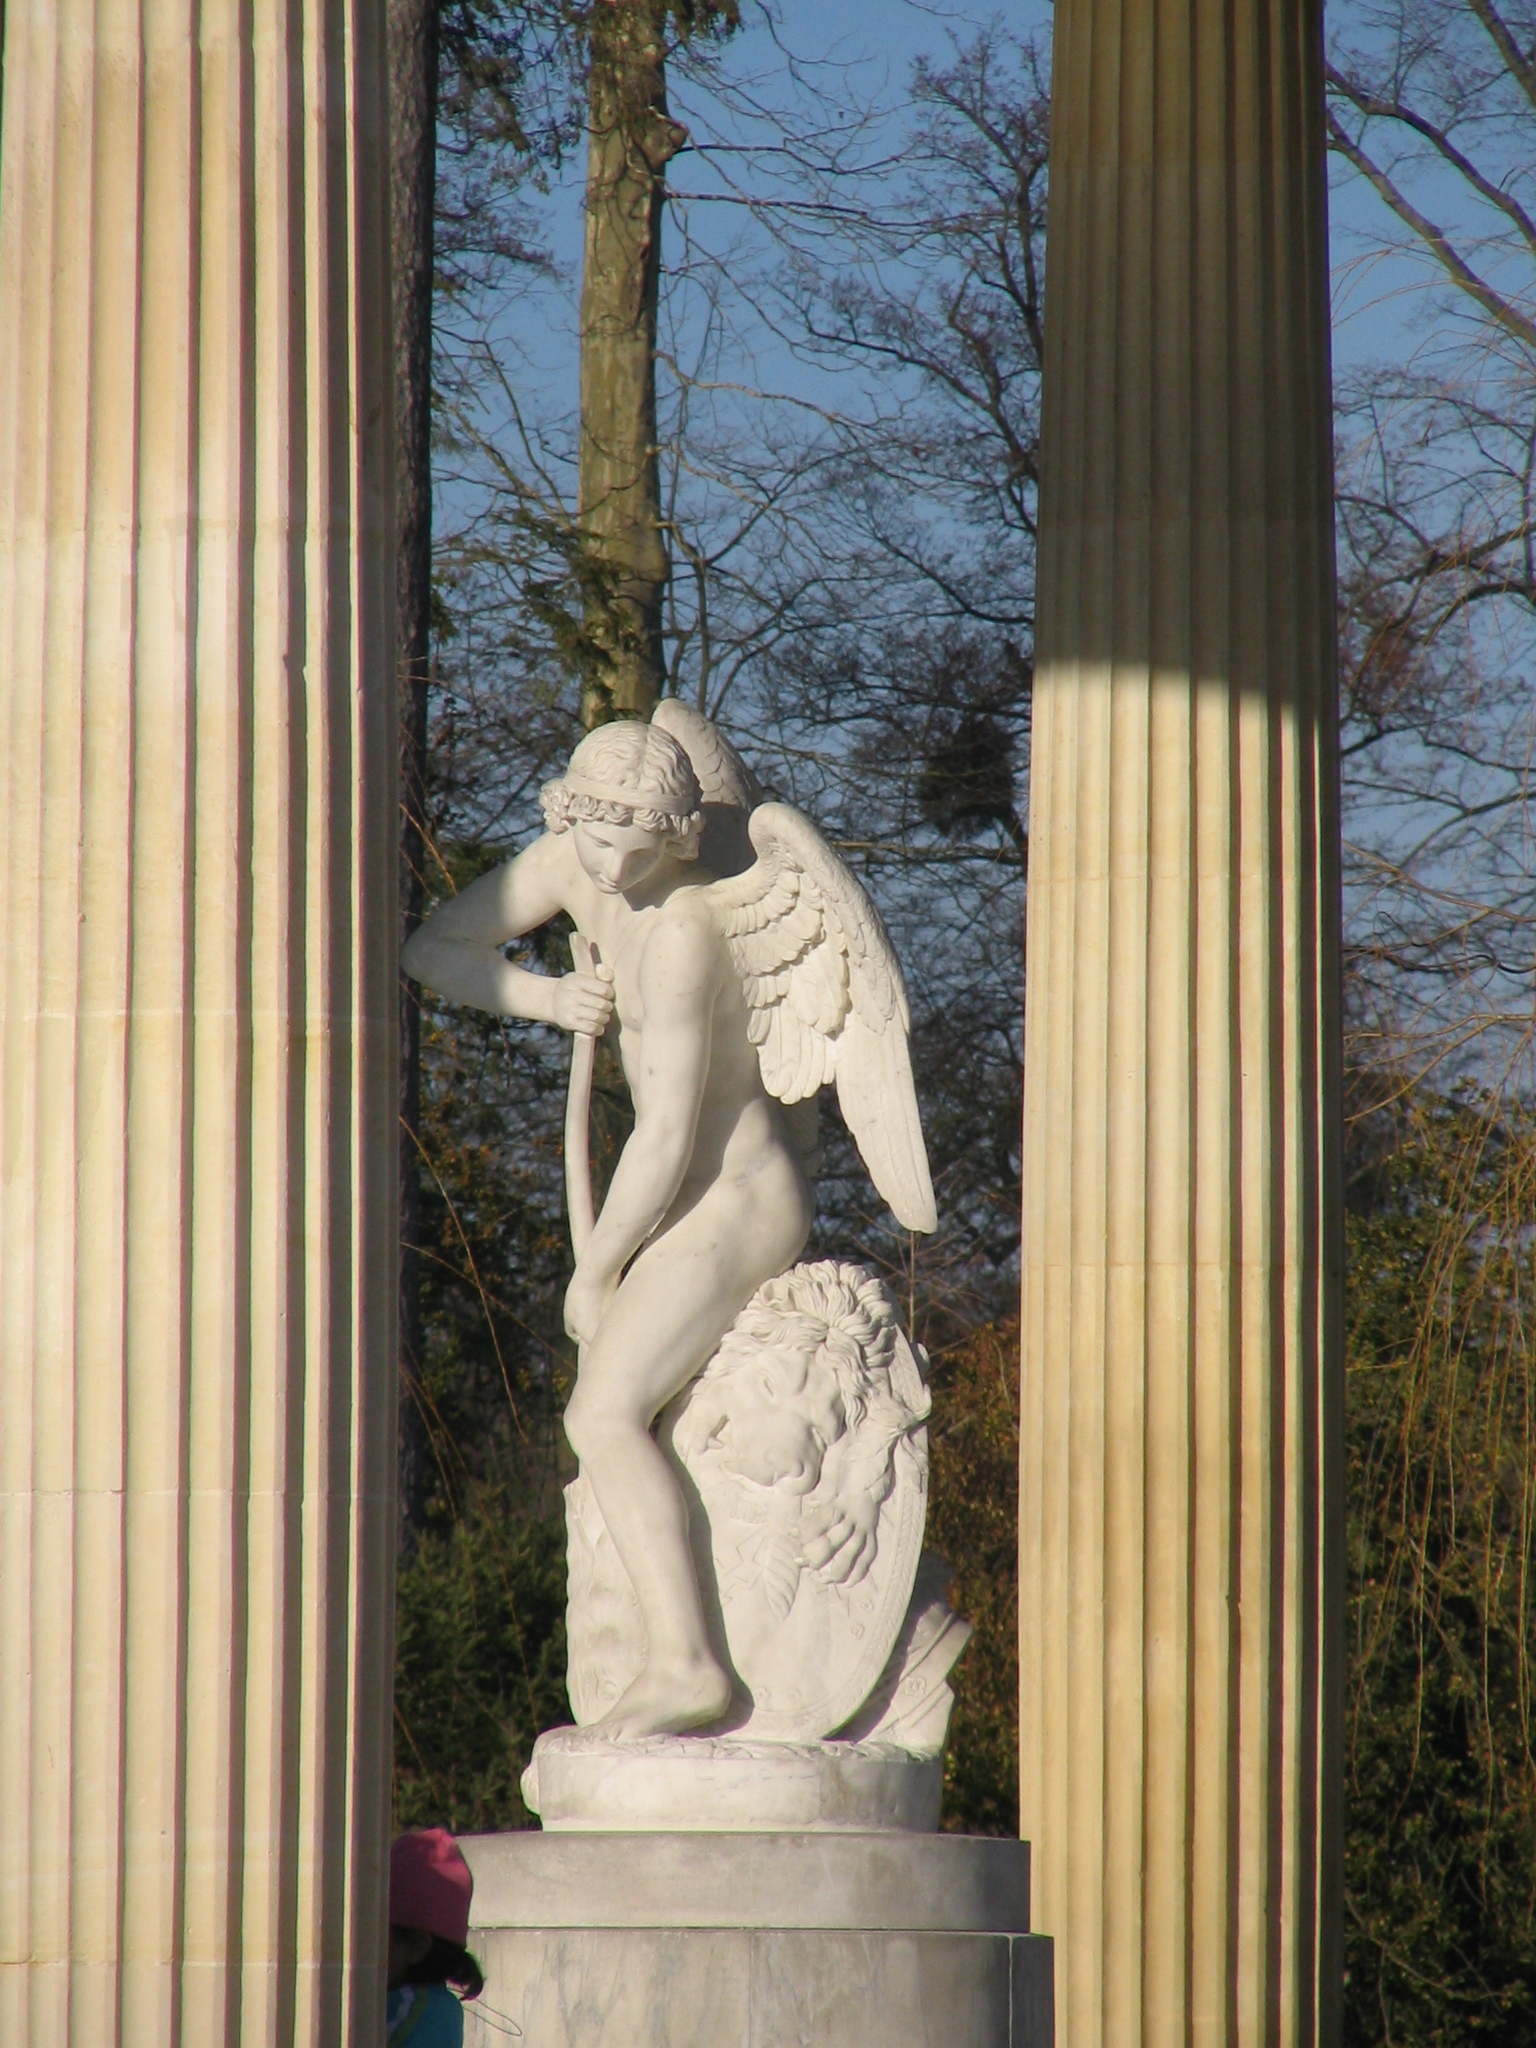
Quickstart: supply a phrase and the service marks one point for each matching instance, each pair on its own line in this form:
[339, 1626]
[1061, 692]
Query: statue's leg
[674, 1305]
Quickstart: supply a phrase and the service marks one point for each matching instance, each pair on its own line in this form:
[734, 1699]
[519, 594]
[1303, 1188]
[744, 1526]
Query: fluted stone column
[197, 1098]
[1181, 1412]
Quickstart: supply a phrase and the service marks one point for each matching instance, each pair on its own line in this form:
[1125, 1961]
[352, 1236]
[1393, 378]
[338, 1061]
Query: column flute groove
[1181, 1411]
[197, 1095]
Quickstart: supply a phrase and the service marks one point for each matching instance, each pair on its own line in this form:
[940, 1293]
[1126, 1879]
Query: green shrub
[479, 1663]
[973, 1439]
[1440, 1847]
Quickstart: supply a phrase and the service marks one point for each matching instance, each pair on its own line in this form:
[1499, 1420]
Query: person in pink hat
[429, 1893]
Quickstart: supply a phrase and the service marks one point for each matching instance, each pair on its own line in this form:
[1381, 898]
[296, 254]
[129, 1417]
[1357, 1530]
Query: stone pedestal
[197, 1021]
[756, 1941]
[582, 1781]
[1181, 1417]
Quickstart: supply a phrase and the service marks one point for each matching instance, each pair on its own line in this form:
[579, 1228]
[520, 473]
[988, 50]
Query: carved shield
[769, 1459]
[806, 1651]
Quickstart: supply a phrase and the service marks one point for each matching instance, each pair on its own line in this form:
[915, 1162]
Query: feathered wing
[724, 778]
[726, 784]
[826, 998]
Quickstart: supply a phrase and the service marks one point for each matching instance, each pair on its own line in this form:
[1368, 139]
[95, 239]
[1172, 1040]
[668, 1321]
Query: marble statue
[746, 1529]
[800, 1451]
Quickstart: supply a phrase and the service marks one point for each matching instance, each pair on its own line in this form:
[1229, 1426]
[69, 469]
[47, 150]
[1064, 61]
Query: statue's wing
[723, 776]
[826, 998]
[727, 784]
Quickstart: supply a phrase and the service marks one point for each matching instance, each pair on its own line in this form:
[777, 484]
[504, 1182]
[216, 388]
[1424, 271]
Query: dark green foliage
[479, 1662]
[973, 1522]
[495, 1364]
[1441, 1786]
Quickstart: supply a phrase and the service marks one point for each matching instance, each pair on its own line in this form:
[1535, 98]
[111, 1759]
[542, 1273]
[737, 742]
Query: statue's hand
[584, 1001]
[843, 1539]
[586, 1303]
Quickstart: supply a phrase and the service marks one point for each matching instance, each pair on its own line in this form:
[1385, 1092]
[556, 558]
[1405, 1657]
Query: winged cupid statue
[743, 968]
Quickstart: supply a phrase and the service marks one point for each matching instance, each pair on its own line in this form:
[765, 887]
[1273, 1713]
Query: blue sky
[871, 45]
[863, 50]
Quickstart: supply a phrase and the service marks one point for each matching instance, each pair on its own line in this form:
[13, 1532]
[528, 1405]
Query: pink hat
[430, 1885]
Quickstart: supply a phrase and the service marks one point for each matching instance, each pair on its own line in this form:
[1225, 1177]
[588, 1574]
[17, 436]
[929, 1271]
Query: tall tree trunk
[631, 139]
[413, 73]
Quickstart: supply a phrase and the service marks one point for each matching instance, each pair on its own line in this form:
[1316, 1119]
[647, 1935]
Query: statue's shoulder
[685, 931]
[551, 861]
[552, 850]
[691, 911]
[691, 906]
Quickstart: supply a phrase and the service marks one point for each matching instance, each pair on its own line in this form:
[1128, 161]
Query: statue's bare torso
[740, 1129]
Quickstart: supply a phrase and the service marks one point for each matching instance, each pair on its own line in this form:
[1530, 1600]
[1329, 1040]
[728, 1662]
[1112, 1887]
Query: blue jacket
[425, 2015]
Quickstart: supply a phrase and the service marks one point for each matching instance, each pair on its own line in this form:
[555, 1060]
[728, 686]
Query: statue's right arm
[457, 951]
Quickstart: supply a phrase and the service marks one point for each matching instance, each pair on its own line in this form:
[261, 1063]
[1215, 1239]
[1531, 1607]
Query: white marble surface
[836, 1942]
[954, 1884]
[883, 1770]
[602, 1988]
[803, 1459]
[581, 1779]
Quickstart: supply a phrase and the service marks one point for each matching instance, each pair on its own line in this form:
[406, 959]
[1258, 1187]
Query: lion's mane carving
[800, 1398]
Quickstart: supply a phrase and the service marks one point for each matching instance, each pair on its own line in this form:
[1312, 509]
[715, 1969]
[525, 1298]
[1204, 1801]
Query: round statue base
[754, 1940]
[581, 1780]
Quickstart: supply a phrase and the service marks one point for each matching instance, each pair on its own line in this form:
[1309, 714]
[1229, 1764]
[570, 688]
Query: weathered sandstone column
[1181, 1416]
[197, 878]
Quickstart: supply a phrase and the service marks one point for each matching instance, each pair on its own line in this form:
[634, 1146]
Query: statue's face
[617, 857]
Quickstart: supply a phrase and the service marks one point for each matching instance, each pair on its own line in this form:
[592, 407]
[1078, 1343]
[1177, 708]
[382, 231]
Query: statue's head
[630, 798]
[629, 773]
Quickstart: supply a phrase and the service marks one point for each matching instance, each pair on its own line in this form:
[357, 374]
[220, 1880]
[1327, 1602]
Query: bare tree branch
[1434, 238]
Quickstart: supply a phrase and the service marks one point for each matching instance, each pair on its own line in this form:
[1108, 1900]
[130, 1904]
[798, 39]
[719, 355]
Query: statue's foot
[667, 1699]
